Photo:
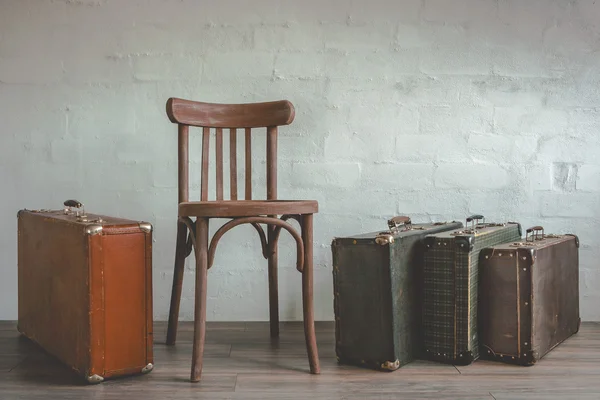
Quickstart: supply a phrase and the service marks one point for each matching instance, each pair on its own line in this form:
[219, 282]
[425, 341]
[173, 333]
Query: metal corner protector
[384, 239]
[390, 365]
[145, 226]
[95, 378]
[93, 229]
[147, 368]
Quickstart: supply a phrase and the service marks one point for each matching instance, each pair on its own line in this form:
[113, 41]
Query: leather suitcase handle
[70, 204]
[73, 203]
[394, 222]
[534, 233]
[474, 218]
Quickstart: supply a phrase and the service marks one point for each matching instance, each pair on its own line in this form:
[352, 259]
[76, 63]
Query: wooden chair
[194, 234]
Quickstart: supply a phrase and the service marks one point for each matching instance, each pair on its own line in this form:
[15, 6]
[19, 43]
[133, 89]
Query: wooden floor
[241, 362]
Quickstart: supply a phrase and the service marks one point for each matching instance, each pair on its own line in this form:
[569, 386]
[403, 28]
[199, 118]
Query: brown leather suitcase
[85, 290]
[529, 297]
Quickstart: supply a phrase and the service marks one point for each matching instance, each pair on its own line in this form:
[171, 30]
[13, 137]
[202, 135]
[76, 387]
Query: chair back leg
[307, 295]
[201, 248]
[180, 255]
[273, 285]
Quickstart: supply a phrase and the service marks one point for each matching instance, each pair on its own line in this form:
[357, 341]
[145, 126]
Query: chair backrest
[209, 116]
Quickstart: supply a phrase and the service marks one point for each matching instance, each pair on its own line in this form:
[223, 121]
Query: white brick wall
[432, 108]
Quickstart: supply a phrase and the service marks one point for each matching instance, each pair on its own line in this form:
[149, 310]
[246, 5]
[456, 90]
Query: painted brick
[27, 71]
[385, 122]
[576, 205]
[426, 91]
[346, 145]
[455, 121]
[226, 66]
[362, 37]
[342, 175]
[397, 176]
[385, 10]
[298, 65]
[500, 206]
[565, 149]
[502, 148]
[154, 68]
[524, 23]
[532, 64]
[539, 177]
[468, 60]
[409, 36]
[457, 12]
[588, 178]
[584, 122]
[503, 92]
[97, 69]
[443, 203]
[421, 148]
[291, 37]
[470, 176]
[312, 11]
[298, 148]
[530, 121]
[345, 201]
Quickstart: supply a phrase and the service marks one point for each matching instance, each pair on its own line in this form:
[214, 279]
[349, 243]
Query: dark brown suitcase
[85, 290]
[529, 297]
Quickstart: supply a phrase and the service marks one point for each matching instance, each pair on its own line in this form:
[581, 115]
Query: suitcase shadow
[41, 368]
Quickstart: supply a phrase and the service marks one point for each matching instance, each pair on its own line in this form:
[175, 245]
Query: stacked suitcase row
[453, 293]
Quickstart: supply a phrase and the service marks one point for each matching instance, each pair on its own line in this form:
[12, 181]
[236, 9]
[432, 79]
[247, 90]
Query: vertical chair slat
[204, 182]
[183, 162]
[248, 164]
[219, 162]
[271, 162]
[233, 163]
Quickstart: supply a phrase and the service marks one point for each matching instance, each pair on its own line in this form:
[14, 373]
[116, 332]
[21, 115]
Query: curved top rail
[215, 115]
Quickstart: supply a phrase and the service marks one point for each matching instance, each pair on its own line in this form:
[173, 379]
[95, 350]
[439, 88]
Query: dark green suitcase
[376, 279]
[450, 293]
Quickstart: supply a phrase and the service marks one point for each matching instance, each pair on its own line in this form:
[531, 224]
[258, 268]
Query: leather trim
[464, 358]
[576, 238]
[527, 359]
[465, 243]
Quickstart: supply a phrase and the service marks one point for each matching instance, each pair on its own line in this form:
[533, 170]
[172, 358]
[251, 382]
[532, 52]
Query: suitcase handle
[534, 233]
[70, 204]
[474, 218]
[73, 203]
[394, 222]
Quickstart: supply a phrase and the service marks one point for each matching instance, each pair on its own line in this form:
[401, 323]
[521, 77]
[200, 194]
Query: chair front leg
[180, 255]
[273, 284]
[200, 297]
[307, 295]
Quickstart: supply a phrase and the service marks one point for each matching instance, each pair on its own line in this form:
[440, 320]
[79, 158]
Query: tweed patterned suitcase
[529, 300]
[450, 292]
[377, 296]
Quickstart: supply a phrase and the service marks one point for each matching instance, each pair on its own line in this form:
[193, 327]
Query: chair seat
[246, 208]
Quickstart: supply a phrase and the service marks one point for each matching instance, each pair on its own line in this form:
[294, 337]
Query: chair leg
[273, 287]
[177, 283]
[200, 297]
[307, 295]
